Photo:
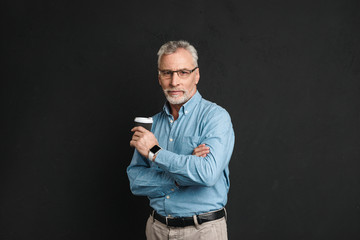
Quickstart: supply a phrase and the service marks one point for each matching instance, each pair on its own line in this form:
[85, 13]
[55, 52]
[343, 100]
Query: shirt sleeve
[146, 179]
[190, 170]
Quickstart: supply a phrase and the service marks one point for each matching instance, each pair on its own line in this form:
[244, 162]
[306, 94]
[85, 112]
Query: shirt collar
[188, 106]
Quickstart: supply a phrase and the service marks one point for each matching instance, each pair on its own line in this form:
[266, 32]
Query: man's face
[178, 90]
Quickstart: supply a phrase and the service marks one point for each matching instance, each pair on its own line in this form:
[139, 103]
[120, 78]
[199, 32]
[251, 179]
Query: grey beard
[180, 100]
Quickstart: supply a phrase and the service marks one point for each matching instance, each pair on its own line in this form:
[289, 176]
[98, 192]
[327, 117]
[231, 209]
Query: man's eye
[167, 72]
[184, 72]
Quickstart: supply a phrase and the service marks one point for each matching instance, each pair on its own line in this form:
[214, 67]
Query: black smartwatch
[153, 151]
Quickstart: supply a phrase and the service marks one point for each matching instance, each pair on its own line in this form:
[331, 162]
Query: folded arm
[189, 170]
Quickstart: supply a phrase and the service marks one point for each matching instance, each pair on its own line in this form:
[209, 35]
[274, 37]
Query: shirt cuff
[163, 158]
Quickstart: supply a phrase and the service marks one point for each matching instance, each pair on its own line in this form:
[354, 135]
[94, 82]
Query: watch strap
[151, 156]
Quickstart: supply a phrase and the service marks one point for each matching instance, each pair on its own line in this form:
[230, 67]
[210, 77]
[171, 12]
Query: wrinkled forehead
[180, 59]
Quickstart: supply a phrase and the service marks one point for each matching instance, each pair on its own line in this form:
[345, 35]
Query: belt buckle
[199, 219]
[166, 220]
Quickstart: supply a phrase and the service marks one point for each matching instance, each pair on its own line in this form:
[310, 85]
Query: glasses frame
[177, 72]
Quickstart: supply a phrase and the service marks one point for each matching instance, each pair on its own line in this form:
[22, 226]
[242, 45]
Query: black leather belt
[189, 221]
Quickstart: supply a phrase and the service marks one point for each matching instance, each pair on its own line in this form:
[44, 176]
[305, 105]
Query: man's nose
[175, 79]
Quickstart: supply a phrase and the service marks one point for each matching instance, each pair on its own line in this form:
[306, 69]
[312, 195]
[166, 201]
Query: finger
[139, 129]
[200, 146]
[196, 151]
[135, 138]
[203, 146]
[138, 134]
[201, 153]
[201, 149]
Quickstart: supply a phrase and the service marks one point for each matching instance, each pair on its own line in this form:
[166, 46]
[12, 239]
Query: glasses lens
[165, 74]
[184, 73]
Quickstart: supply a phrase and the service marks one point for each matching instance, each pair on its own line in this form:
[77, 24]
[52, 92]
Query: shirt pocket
[187, 144]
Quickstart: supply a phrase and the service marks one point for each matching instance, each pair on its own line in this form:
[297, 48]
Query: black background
[76, 73]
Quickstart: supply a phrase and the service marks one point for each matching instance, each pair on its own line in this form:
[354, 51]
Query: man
[182, 164]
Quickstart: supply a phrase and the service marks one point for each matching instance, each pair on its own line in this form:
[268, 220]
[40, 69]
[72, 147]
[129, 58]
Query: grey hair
[172, 46]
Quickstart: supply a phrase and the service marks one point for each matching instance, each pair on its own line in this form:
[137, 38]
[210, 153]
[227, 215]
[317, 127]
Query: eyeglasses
[182, 73]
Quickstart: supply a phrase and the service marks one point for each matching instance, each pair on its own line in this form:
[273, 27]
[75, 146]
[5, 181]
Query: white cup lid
[144, 119]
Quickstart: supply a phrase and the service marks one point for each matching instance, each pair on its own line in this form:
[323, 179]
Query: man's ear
[197, 75]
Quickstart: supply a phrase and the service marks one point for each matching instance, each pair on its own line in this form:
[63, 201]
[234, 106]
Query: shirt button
[186, 111]
[171, 139]
[167, 197]
[171, 121]
[172, 189]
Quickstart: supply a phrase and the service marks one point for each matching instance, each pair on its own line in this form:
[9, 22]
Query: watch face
[155, 149]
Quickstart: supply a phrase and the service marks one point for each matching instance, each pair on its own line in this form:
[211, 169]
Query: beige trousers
[213, 230]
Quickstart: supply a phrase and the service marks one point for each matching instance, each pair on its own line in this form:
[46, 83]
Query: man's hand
[201, 151]
[143, 140]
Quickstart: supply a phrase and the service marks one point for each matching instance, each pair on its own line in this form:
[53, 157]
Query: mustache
[174, 89]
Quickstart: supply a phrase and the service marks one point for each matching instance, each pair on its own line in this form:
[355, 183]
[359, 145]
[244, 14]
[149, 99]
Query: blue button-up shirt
[203, 182]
